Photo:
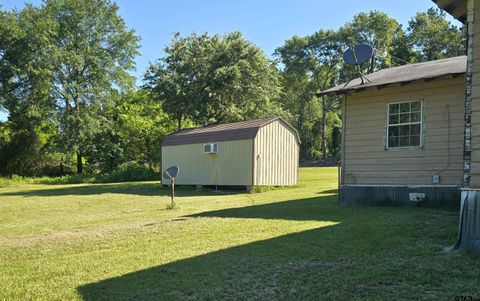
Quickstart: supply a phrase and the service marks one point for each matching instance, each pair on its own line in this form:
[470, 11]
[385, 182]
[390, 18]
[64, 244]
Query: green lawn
[118, 241]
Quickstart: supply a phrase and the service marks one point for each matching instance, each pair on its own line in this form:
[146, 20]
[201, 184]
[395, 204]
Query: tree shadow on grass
[252, 271]
[329, 191]
[308, 209]
[145, 189]
[335, 260]
[243, 272]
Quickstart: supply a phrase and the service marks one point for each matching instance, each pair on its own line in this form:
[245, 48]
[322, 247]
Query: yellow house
[249, 153]
[403, 134]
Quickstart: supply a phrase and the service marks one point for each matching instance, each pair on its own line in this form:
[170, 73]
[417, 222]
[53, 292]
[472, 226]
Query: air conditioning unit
[210, 148]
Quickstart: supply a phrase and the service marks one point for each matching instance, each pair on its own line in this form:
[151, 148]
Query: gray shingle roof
[407, 73]
[221, 132]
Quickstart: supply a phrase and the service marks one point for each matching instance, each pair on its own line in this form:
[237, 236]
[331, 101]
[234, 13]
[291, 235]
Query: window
[404, 124]
[210, 148]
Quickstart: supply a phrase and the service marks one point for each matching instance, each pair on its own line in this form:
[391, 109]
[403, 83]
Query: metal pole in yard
[173, 191]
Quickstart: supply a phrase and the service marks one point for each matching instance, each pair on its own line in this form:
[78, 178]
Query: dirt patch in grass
[70, 236]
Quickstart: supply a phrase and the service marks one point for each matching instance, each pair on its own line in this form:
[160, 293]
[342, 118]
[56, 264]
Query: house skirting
[434, 196]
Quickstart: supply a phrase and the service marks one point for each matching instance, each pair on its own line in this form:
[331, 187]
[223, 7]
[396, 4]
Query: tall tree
[174, 79]
[326, 50]
[376, 29]
[310, 64]
[90, 54]
[141, 127]
[433, 37]
[214, 79]
[25, 81]
[296, 82]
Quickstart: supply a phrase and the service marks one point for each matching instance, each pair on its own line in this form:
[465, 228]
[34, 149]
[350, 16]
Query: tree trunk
[372, 64]
[62, 171]
[179, 122]
[76, 100]
[324, 128]
[79, 163]
[305, 149]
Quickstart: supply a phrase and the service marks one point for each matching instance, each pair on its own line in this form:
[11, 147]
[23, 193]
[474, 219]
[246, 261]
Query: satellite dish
[358, 55]
[171, 172]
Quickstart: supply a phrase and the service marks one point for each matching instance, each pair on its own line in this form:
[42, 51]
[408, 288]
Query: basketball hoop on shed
[170, 174]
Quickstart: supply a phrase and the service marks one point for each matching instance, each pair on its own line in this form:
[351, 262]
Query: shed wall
[365, 159]
[232, 165]
[276, 155]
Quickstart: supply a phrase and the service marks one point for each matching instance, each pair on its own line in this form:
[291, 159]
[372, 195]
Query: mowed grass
[119, 242]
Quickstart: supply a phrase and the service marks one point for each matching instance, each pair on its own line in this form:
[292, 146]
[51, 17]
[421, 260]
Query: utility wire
[396, 58]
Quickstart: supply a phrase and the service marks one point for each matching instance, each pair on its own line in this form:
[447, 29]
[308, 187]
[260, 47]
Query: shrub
[124, 173]
[54, 169]
[128, 172]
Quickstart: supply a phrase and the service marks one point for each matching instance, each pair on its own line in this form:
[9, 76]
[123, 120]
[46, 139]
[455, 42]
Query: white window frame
[416, 147]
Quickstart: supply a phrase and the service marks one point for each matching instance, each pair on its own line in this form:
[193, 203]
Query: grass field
[118, 241]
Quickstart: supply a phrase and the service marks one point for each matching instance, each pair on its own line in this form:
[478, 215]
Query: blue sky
[267, 23]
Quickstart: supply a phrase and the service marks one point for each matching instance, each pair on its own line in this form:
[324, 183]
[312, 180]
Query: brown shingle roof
[221, 132]
[407, 73]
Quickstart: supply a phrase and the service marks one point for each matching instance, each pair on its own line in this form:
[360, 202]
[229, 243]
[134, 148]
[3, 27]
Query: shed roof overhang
[456, 8]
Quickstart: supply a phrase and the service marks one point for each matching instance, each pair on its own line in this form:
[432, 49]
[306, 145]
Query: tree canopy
[215, 79]
[61, 61]
[433, 37]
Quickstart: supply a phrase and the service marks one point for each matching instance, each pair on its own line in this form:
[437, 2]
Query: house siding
[365, 160]
[232, 165]
[276, 155]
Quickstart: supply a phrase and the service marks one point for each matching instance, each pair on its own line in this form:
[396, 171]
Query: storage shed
[261, 152]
